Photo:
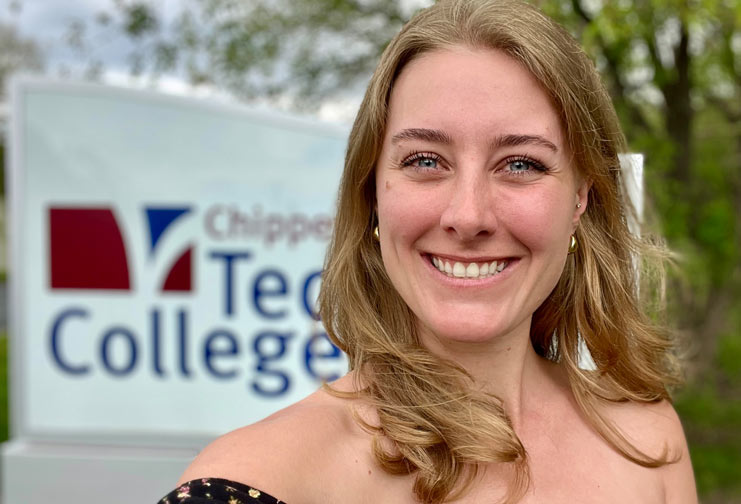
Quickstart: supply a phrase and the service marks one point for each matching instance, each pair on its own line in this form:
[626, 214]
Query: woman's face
[476, 195]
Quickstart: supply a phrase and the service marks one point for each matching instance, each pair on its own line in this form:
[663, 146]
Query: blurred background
[673, 68]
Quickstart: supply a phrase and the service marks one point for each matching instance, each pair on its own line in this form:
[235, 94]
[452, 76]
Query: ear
[581, 200]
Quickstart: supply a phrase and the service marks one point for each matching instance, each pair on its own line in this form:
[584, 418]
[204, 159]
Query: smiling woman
[480, 236]
[486, 185]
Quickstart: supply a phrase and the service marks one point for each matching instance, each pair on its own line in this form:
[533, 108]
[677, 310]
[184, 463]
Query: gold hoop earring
[376, 234]
[573, 245]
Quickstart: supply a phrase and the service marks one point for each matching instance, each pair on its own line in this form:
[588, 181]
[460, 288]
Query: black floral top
[217, 491]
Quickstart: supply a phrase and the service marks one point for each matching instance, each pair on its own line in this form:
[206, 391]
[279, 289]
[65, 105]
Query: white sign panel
[166, 261]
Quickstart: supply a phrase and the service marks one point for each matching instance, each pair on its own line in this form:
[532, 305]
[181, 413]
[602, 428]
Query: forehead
[470, 93]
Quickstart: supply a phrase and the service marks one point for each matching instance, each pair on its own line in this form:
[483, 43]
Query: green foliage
[139, 19]
[702, 408]
[712, 425]
[304, 49]
[716, 466]
[729, 358]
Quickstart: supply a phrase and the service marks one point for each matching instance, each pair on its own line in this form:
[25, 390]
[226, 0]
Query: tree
[301, 51]
[674, 71]
[16, 53]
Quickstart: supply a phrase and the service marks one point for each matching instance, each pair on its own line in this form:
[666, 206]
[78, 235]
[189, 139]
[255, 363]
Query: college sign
[166, 261]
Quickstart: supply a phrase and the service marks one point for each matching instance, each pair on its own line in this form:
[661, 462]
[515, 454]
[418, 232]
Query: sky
[49, 22]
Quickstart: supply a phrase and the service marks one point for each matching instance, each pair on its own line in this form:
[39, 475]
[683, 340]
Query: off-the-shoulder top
[217, 491]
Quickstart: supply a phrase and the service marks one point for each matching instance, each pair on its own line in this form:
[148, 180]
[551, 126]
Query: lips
[473, 269]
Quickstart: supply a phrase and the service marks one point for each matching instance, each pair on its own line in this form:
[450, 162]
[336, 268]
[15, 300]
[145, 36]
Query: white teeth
[469, 270]
[459, 270]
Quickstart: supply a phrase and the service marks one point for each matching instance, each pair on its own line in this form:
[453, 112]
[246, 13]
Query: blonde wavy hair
[432, 421]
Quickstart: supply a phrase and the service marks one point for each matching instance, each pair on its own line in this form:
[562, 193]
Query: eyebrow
[438, 136]
[515, 140]
[428, 135]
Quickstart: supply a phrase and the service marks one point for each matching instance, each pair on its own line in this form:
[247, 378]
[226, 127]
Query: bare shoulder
[286, 453]
[655, 428]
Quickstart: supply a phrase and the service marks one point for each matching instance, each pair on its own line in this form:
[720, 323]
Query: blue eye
[427, 163]
[523, 165]
[519, 165]
[422, 161]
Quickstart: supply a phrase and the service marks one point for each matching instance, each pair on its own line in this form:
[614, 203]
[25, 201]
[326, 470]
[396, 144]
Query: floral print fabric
[217, 491]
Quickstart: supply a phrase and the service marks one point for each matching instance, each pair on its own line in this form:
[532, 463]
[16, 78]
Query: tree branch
[581, 12]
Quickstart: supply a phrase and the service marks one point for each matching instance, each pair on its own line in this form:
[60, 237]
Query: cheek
[541, 219]
[404, 213]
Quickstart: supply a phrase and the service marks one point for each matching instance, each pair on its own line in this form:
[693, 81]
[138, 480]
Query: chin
[465, 331]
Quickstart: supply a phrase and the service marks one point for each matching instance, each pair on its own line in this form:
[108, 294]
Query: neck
[506, 366]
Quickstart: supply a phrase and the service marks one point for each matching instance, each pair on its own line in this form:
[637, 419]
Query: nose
[470, 212]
